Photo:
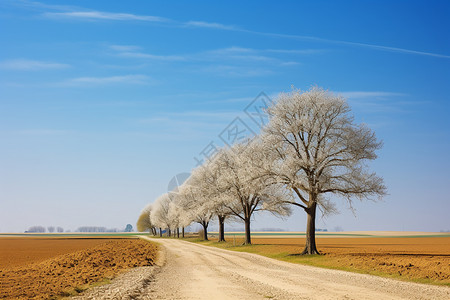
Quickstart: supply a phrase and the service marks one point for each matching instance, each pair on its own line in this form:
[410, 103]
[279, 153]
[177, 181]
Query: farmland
[51, 267]
[55, 266]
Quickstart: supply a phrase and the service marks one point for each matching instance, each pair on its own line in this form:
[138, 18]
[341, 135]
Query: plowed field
[17, 251]
[48, 268]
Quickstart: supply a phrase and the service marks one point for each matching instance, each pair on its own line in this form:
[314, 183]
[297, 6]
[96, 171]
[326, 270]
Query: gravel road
[192, 271]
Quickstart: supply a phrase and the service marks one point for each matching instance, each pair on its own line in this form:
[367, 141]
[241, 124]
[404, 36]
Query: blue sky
[103, 102]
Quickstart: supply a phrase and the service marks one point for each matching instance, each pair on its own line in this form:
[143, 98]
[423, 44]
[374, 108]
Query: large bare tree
[316, 149]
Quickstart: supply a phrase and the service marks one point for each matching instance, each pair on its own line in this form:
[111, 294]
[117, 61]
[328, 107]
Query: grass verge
[77, 290]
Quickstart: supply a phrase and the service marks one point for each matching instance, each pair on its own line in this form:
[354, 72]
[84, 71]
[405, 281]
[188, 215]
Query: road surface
[192, 271]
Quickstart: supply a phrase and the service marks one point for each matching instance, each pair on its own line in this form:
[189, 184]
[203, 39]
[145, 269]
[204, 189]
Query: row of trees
[41, 229]
[128, 228]
[310, 149]
[51, 229]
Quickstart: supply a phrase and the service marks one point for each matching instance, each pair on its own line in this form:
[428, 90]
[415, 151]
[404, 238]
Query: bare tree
[316, 150]
[175, 216]
[213, 193]
[51, 229]
[178, 213]
[59, 229]
[246, 191]
[193, 201]
[159, 214]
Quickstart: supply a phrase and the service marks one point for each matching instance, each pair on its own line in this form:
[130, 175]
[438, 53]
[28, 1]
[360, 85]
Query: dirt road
[193, 271]
[199, 272]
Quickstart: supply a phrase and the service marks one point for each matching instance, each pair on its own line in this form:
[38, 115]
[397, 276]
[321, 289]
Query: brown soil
[60, 275]
[17, 251]
[413, 258]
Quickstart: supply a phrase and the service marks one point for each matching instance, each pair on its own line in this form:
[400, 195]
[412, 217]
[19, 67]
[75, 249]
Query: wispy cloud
[394, 49]
[152, 56]
[99, 15]
[34, 5]
[237, 71]
[125, 48]
[30, 65]
[241, 50]
[94, 81]
[230, 61]
[289, 63]
[134, 52]
[347, 43]
[83, 14]
[232, 50]
[381, 101]
[212, 25]
[239, 53]
[297, 51]
[233, 53]
[247, 55]
[369, 94]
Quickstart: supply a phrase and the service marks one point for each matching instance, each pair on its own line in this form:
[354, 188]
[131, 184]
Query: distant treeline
[128, 228]
[95, 229]
[51, 229]
[41, 229]
[272, 229]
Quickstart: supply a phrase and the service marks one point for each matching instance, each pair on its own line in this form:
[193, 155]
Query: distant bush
[338, 228]
[129, 228]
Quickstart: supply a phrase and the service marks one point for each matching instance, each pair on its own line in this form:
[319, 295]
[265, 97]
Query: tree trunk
[178, 232]
[248, 239]
[182, 232]
[168, 232]
[221, 228]
[310, 247]
[205, 230]
[160, 232]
